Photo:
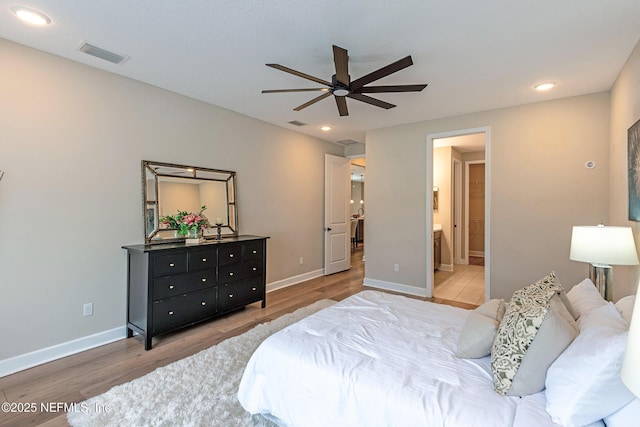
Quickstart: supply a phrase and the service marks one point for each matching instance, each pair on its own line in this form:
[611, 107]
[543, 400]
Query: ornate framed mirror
[168, 188]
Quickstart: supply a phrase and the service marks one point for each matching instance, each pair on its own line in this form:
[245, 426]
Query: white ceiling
[463, 143]
[475, 55]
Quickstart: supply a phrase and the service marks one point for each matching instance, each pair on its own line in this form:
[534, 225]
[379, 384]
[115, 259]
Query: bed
[376, 359]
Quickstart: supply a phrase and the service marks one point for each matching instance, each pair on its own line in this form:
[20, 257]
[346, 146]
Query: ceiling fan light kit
[341, 86]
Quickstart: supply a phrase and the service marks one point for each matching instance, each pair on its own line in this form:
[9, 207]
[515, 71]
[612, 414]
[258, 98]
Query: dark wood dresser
[174, 285]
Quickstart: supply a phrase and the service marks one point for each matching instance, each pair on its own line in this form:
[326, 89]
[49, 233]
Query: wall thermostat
[590, 164]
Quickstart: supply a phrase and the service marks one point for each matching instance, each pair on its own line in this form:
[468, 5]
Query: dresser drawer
[170, 286]
[164, 265]
[199, 260]
[238, 294]
[183, 309]
[229, 255]
[252, 250]
[234, 272]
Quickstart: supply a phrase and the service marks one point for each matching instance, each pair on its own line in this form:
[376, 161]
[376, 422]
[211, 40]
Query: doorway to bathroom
[459, 210]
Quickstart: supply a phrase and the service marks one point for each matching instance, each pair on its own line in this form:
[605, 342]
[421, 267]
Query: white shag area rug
[199, 390]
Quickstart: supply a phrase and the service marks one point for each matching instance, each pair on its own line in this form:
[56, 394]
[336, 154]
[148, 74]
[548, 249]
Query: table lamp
[603, 246]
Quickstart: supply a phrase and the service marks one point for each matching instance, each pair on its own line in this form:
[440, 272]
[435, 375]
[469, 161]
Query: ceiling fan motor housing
[339, 89]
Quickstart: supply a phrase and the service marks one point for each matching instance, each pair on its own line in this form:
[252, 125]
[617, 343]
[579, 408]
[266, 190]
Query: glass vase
[193, 233]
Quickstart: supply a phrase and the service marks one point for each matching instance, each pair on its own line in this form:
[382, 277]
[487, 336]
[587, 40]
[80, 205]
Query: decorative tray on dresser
[174, 285]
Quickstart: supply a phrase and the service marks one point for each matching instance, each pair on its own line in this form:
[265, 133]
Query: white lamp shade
[630, 371]
[603, 245]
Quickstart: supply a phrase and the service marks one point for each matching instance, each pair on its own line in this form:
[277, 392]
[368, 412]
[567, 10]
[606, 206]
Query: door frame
[466, 205]
[458, 255]
[487, 207]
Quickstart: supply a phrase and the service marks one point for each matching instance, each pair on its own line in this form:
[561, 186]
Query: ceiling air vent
[98, 52]
[297, 123]
[348, 142]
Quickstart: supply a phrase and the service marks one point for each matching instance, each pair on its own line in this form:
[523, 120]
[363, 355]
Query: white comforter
[376, 359]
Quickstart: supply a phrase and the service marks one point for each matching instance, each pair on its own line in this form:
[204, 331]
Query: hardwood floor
[87, 374]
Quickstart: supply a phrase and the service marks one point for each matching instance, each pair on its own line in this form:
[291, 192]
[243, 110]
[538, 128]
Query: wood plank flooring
[87, 374]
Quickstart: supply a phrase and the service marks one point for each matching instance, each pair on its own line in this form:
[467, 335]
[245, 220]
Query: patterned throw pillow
[518, 366]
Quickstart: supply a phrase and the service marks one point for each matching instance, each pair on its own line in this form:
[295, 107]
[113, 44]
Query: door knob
[328, 228]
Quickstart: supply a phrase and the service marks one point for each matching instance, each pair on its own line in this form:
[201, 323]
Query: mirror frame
[151, 220]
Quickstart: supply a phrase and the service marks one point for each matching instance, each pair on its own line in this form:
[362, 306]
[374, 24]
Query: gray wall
[539, 189]
[71, 145]
[625, 111]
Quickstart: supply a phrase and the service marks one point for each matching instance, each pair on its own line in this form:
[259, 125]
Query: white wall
[625, 111]
[72, 138]
[539, 190]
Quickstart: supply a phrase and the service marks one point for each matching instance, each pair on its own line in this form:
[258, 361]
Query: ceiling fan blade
[341, 62]
[299, 74]
[382, 72]
[370, 100]
[295, 90]
[341, 102]
[385, 89]
[313, 101]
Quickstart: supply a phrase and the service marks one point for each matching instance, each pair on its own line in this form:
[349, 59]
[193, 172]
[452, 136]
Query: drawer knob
[231, 274]
[171, 264]
[255, 268]
[230, 295]
[204, 279]
[254, 289]
[230, 255]
[204, 260]
[203, 303]
[171, 313]
[170, 286]
[255, 252]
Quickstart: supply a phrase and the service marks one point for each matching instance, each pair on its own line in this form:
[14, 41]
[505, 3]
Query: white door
[337, 235]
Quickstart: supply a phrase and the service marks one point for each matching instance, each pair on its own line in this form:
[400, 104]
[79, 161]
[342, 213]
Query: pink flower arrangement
[184, 221]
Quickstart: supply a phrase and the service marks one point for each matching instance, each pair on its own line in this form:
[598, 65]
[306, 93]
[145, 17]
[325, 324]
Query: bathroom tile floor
[464, 284]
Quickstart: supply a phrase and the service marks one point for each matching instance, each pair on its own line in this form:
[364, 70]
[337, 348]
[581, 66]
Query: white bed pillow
[583, 384]
[479, 330]
[585, 297]
[625, 307]
[531, 413]
[536, 328]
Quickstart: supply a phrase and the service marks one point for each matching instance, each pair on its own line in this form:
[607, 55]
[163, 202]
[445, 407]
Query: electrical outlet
[87, 309]
[301, 260]
[396, 267]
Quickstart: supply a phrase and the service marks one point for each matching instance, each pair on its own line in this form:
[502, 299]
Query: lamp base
[602, 276]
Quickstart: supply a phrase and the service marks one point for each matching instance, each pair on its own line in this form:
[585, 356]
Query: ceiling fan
[342, 87]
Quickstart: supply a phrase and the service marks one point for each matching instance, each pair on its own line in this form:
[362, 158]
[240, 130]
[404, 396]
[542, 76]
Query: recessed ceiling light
[541, 87]
[326, 128]
[31, 16]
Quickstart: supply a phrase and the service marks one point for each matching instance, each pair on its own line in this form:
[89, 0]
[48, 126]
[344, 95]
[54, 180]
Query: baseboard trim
[446, 267]
[290, 281]
[29, 360]
[397, 287]
[476, 253]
